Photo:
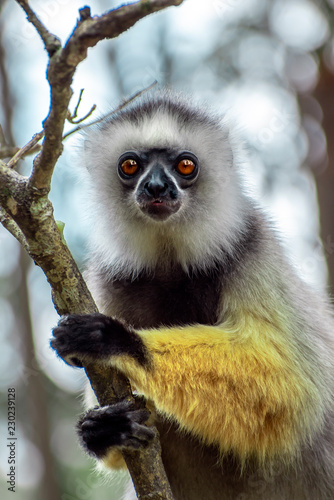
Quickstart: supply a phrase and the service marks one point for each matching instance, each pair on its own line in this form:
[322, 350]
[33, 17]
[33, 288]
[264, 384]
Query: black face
[158, 177]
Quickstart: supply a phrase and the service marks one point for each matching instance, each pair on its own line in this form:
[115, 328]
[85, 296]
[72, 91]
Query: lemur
[204, 314]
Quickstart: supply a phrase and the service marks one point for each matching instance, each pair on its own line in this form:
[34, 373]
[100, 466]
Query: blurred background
[269, 66]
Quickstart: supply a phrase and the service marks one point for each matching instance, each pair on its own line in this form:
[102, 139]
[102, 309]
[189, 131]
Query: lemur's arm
[238, 387]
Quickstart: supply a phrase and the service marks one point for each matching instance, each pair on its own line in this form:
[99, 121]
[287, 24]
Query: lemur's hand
[120, 425]
[95, 337]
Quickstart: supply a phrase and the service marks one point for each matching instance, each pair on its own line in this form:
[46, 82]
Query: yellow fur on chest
[240, 388]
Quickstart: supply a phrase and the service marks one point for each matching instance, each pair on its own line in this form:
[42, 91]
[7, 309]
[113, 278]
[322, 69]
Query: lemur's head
[166, 168]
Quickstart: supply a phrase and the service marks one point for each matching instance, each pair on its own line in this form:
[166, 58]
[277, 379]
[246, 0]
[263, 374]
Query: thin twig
[13, 228]
[72, 116]
[51, 42]
[8, 151]
[26, 150]
[87, 115]
[114, 111]
[23, 151]
[62, 66]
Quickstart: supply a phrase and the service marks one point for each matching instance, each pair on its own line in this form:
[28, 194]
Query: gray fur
[218, 248]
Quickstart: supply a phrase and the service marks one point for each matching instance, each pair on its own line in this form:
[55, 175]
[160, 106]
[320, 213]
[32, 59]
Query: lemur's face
[161, 168]
[158, 179]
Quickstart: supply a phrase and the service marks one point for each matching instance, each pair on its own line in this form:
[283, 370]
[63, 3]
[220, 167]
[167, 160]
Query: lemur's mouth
[159, 208]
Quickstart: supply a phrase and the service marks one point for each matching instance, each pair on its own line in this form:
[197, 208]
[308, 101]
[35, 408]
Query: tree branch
[88, 32]
[51, 42]
[33, 214]
[23, 151]
[13, 228]
[114, 111]
[71, 117]
[31, 146]
[8, 151]
[28, 213]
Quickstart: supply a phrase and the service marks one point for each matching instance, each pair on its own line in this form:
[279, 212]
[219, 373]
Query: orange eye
[186, 167]
[129, 167]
